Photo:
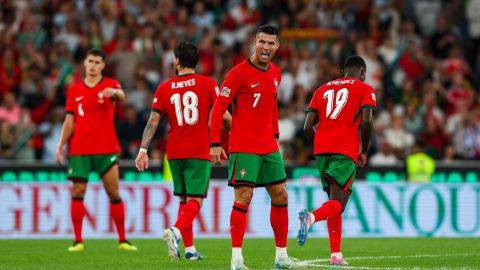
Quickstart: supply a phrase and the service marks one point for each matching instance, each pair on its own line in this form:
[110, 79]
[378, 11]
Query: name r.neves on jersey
[182, 84]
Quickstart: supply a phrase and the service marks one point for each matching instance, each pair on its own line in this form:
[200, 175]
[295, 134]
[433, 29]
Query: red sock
[238, 223]
[187, 215]
[335, 232]
[329, 209]
[187, 234]
[279, 222]
[117, 212]
[77, 212]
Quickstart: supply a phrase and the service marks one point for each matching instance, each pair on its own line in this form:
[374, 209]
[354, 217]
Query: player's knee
[79, 190]
[244, 196]
[280, 198]
[113, 195]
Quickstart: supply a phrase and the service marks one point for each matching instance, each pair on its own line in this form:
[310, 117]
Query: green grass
[404, 253]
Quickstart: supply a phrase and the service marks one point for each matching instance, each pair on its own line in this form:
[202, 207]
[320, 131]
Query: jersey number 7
[189, 112]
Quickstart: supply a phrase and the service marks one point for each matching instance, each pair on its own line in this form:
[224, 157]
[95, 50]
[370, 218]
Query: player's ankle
[280, 253]
[190, 249]
[337, 254]
[237, 253]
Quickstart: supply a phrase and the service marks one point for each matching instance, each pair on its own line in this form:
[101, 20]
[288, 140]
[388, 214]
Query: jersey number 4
[189, 112]
[340, 98]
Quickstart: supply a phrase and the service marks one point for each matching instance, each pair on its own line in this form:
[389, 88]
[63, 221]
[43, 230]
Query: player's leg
[172, 235]
[107, 167]
[243, 171]
[196, 175]
[272, 176]
[78, 170]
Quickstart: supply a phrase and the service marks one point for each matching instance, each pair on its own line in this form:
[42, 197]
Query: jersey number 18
[189, 112]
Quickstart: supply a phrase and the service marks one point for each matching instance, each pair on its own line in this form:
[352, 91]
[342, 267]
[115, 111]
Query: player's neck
[91, 81]
[254, 60]
[185, 71]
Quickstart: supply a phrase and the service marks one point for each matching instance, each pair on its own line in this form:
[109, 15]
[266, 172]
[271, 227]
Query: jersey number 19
[340, 98]
[189, 112]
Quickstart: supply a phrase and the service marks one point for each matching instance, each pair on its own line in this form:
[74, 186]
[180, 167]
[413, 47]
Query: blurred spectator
[398, 137]
[10, 110]
[51, 131]
[420, 166]
[384, 157]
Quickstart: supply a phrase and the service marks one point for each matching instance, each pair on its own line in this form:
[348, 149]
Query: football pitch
[361, 253]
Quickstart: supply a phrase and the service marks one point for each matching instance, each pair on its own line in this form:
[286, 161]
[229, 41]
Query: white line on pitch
[395, 257]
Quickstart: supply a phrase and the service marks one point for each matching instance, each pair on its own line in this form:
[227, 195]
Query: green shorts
[191, 176]
[79, 167]
[256, 170]
[336, 169]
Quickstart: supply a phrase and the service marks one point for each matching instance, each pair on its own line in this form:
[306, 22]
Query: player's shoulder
[111, 82]
[275, 68]
[239, 69]
[76, 85]
[205, 79]
[363, 85]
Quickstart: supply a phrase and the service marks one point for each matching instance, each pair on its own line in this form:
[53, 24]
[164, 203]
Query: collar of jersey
[94, 85]
[257, 67]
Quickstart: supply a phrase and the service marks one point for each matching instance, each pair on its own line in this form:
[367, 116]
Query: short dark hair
[96, 52]
[268, 29]
[354, 61]
[187, 54]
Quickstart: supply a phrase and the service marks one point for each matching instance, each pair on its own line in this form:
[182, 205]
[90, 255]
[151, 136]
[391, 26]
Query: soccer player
[186, 100]
[338, 107]
[93, 145]
[254, 160]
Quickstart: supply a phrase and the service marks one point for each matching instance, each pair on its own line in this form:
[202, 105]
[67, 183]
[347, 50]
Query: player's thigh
[79, 167]
[102, 163]
[243, 169]
[341, 171]
[197, 177]
[272, 170]
[176, 168]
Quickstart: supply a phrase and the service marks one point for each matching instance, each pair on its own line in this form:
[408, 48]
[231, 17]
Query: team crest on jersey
[100, 97]
[225, 92]
[275, 81]
[243, 172]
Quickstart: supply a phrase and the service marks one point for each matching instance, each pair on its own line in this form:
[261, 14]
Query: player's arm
[276, 130]
[116, 94]
[229, 89]
[366, 126]
[141, 162]
[67, 131]
[227, 121]
[310, 123]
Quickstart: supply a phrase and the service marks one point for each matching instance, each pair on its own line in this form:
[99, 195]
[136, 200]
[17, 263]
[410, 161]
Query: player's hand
[216, 153]
[362, 160]
[109, 92]
[60, 155]
[141, 162]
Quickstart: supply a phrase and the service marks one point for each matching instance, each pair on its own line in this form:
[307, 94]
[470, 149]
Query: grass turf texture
[361, 253]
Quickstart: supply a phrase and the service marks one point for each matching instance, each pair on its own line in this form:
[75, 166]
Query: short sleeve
[70, 106]
[157, 104]
[368, 97]
[314, 106]
[214, 91]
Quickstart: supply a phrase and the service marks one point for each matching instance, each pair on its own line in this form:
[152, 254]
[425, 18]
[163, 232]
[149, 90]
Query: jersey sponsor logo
[225, 92]
[78, 99]
[243, 172]
[183, 84]
[254, 85]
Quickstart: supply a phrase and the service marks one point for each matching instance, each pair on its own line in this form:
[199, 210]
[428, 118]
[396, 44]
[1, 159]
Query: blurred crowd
[422, 57]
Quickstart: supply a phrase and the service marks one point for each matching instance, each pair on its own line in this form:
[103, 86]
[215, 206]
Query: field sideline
[362, 253]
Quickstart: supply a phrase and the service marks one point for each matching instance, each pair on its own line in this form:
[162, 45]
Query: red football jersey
[339, 104]
[94, 130]
[254, 109]
[187, 100]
